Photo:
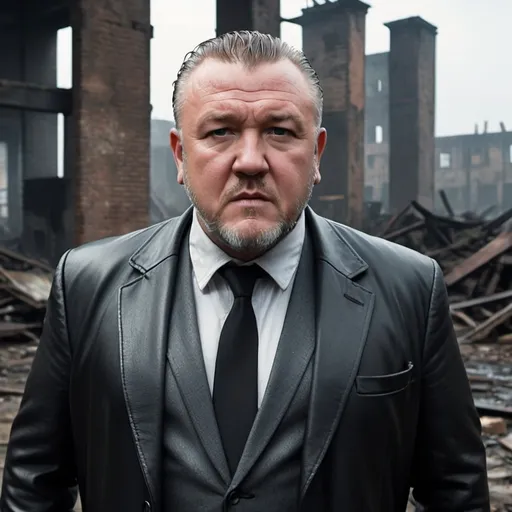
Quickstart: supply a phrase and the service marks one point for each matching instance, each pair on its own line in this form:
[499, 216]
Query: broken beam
[37, 98]
[495, 248]
[492, 409]
[484, 329]
[480, 301]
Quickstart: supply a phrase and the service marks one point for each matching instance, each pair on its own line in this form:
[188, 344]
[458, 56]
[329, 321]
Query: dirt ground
[489, 365]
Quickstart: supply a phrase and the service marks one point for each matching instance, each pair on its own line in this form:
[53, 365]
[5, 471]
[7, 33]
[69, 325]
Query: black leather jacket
[391, 406]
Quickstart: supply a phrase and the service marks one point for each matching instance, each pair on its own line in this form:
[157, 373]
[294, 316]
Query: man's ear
[321, 141]
[177, 151]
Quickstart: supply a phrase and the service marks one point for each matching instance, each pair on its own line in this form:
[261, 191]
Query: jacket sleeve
[39, 473]
[450, 462]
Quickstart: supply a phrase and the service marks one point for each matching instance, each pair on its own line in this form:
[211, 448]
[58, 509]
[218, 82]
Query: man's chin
[252, 235]
[252, 225]
[253, 228]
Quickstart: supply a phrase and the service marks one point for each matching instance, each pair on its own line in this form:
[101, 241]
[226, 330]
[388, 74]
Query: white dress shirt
[214, 297]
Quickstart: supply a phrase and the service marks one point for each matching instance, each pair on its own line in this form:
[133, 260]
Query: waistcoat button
[233, 498]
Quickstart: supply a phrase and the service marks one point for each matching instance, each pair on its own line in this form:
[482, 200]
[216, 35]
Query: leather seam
[68, 338]
[353, 283]
[144, 245]
[64, 301]
[428, 316]
[125, 391]
[347, 245]
[344, 399]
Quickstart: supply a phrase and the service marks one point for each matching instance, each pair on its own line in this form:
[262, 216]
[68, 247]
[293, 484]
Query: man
[249, 355]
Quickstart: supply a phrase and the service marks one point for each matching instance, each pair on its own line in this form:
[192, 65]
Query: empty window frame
[445, 160]
[379, 134]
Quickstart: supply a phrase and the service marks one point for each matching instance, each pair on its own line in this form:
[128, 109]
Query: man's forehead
[216, 77]
[229, 113]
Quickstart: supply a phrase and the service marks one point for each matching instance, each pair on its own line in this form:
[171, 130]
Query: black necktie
[235, 391]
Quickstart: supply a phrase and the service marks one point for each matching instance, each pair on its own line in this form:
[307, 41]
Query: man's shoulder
[383, 257]
[107, 254]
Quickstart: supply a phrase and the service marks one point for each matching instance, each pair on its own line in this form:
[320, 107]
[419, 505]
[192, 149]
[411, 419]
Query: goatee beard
[254, 244]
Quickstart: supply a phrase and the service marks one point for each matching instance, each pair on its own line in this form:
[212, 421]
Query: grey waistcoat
[195, 472]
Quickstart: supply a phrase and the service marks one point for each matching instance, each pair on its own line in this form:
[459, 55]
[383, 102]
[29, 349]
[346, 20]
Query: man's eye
[280, 131]
[219, 132]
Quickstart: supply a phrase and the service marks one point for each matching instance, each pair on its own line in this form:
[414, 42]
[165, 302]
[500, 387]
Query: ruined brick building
[105, 187]
[474, 170]
[119, 174]
[396, 92]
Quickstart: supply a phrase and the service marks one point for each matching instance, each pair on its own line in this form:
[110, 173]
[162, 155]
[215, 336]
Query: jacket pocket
[384, 384]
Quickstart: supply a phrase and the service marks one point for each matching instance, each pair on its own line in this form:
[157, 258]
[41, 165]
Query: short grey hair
[251, 48]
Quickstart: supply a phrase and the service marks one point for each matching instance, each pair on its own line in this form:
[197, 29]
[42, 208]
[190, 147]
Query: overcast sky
[474, 52]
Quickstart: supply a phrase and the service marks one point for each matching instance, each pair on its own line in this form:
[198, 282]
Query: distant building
[377, 129]
[168, 197]
[474, 170]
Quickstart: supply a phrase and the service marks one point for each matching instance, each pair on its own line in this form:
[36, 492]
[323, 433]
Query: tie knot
[241, 279]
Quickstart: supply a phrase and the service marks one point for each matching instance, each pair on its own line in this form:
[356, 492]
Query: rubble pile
[489, 368]
[24, 290]
[475, 255]
[476, 258]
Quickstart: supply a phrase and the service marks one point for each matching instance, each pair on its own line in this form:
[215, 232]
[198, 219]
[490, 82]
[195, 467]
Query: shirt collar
[280, 262]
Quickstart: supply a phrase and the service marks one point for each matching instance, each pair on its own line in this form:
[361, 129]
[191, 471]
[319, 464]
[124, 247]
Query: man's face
[249, 151]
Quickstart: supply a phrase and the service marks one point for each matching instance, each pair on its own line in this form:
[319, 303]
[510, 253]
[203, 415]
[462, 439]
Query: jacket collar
[329, 238]
[332, 245]
[164, 243]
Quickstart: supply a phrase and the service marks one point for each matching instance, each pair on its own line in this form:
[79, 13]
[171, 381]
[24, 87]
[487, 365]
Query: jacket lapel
[293, 355]
[143, 309]
[187, 364]
[344, 311]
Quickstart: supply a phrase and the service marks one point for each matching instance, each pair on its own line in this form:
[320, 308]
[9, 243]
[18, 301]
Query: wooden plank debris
[493, 426]
[25, 286]
[506, 442]
[495, 248]
[475, 254]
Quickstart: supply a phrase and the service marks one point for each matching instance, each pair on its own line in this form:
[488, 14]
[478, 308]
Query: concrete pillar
[40, 129]
[30, 137]
[11, 219]
[110, 125]
[262, 15]
[334, 43]
[412, 80]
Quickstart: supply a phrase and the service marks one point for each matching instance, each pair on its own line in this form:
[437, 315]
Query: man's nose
[250, 155]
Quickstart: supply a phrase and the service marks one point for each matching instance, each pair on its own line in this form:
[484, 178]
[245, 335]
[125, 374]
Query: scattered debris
[493, 426]
[24, 290]
[506, 442]
[475, 255]
[499, 473]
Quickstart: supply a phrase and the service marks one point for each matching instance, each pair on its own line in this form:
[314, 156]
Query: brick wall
[426, 116]
[262, 15]
[111, 117]
[411, 112]
[267, 16]
[334, 41]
